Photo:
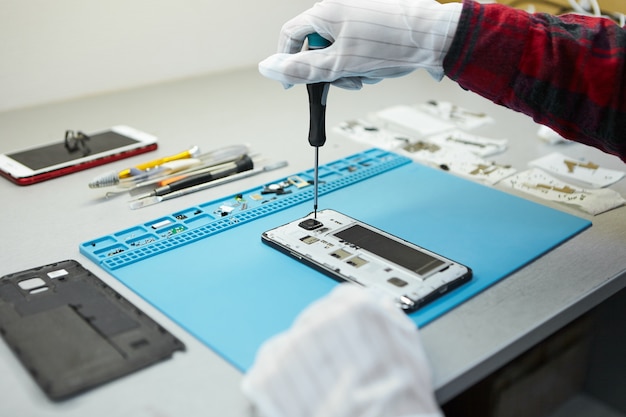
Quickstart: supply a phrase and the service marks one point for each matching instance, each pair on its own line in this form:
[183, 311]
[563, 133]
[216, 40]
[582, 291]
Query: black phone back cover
[73, 332]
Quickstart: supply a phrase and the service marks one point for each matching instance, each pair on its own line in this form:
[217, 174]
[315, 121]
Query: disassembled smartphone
[49, 161]
[349, 250]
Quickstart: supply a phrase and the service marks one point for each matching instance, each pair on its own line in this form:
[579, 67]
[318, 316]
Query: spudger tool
[170, 171]
[148, 201]
[141, 171]
[210, 161]
[243, 164]
[318, 92]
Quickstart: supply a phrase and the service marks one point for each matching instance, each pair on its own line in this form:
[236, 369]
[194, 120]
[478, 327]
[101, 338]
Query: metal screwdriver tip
[106, 180]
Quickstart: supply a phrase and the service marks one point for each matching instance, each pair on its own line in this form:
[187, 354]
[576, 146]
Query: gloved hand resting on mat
[351, 354]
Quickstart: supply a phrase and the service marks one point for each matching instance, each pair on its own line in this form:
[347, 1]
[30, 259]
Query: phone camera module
[310, 224]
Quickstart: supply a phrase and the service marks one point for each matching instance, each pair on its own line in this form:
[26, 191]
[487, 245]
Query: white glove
[350, 354]
[371, 40]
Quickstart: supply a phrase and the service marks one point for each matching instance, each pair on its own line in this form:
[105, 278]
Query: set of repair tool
[181, 174]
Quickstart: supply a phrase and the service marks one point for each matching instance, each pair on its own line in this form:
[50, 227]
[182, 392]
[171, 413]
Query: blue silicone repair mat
[207, 269]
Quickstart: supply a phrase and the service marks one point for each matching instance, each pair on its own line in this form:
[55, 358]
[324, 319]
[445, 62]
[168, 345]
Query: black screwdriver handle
[317, 109]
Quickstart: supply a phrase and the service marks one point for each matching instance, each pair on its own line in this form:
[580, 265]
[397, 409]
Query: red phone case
[78, 167]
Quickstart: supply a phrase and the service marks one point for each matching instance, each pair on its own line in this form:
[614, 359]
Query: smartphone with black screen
[347, 249]
[44, 162]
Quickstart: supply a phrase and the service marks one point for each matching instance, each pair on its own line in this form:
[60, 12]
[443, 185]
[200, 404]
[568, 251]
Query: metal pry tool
[221, 171]
[318, 92]
[148, 201]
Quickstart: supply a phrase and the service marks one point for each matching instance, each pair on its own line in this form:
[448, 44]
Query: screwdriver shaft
[316, 181]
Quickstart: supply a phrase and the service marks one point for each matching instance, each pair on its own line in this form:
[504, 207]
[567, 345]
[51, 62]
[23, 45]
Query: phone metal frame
[319, 247]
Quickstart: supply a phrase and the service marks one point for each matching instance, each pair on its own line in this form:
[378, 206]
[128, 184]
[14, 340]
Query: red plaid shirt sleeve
[566, 72]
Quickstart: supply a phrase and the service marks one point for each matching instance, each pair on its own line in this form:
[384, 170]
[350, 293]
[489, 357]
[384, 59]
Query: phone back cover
[72, 332]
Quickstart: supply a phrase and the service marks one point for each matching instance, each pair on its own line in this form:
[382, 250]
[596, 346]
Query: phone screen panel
[57, 153]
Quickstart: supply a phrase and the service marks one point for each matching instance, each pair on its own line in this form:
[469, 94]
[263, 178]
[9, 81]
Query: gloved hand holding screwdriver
[371, 40]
